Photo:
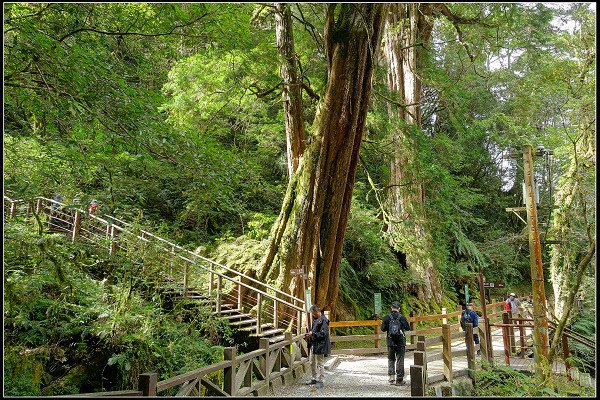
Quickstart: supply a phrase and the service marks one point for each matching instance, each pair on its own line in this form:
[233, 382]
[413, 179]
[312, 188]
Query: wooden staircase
[262, 312]
[244, 323]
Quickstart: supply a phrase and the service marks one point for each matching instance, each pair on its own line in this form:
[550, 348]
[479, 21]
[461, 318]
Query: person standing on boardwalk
[395, 324]
[469, 316]
[514, 304]
[319, 344]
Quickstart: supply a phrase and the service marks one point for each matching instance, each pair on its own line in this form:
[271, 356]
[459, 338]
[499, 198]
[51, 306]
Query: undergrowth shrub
[71, 326]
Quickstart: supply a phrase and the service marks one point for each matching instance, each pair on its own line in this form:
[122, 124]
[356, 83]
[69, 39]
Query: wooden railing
[183, 268]
[377, 337]
[252, 374]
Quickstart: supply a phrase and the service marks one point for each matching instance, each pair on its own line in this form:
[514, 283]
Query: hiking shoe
[319, 385]
[391, 379]
[399, 382]
[478, 352]
[311, 382]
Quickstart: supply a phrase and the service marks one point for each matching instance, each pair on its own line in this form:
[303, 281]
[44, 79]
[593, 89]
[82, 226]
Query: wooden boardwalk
[366, 376]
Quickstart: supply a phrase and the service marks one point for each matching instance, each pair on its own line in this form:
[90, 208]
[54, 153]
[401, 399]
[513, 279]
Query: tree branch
[133, 33]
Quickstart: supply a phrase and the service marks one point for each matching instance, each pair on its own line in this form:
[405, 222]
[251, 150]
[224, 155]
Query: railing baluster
[219, 286]
[76, 225]
[258, 312]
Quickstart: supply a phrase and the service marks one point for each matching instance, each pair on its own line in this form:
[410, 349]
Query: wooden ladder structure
[262, 311]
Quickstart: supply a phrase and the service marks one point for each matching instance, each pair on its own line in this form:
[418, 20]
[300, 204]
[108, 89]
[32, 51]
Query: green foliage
[506, 382]
[71, 332]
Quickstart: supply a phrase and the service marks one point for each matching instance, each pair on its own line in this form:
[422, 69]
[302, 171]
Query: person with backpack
[395, 324]
[469, 316]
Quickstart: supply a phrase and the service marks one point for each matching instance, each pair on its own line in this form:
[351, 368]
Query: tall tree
[310, 228]
[292, 90]
[408, 29]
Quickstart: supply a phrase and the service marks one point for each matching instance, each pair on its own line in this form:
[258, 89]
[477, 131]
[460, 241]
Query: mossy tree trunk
[408, 30]
[292, 89]
[310, 228]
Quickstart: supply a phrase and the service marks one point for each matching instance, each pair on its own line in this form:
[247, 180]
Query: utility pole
[540, 316]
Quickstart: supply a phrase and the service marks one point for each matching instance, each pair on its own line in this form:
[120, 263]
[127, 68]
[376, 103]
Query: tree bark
[292, 87]
[310, 228]
[573, 196]
[408, 30]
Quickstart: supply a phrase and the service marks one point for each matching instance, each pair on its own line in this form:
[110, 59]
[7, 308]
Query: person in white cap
[514, 304]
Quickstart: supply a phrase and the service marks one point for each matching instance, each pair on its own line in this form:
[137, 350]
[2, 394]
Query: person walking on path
[469, 316]
[319, 344]
[514, 304]
[395, 324]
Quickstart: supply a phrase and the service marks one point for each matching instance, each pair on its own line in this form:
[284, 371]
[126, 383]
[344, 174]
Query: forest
[376, 145]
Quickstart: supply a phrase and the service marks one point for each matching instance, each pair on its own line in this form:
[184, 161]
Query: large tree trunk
[310, 228]
[292, 91]
[575, 199]
[408, 30]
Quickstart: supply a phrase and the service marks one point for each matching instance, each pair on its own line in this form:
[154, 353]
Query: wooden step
[262, 327]
[236, 316]
[268, 333]
[244, 322]
[231, 311]
[276, 339]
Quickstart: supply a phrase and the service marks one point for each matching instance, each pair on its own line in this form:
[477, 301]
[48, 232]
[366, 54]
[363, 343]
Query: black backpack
[465, 319]
[395, 331]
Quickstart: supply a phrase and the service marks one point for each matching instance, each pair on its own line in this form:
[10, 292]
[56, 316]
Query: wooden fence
[253, 374]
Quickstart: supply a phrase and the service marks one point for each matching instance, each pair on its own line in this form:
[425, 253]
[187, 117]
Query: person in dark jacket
[320, 345]
[396, 348]
[475, 321]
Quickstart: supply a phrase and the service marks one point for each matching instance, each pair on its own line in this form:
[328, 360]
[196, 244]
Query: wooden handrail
[209, 261]
[209, 269]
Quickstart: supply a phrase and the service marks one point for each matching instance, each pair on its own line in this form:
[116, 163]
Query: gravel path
[355, 376]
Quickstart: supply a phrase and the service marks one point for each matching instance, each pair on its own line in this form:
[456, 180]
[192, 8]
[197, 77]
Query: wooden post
[505, 338]
[421, 347]
[264, 363]
[76, 225]
[540, 312]
[258, 312]
[511, 336]
[483, 345]
[113, 245]
[185, 280]
[172, 259]
[219, 286]
[13, 209]
[413, 327]
[211, 281]
[38, 206]
[486, 321]
[417, 386]
[458, 308]
[447, 352]
[275, 317]
[299, 320]
[377, 332]
[470, 349]
[147, 383]
[565, 347]
[239, 294]
[229, 386]
[522, 339]
[444, 319]
[420, 359]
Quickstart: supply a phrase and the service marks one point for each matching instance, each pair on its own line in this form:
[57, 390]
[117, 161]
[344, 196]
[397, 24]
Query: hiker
[469, 316]
[395, 324]
[319, 345]
[92, 208]
[55, 222]
[513, 303]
